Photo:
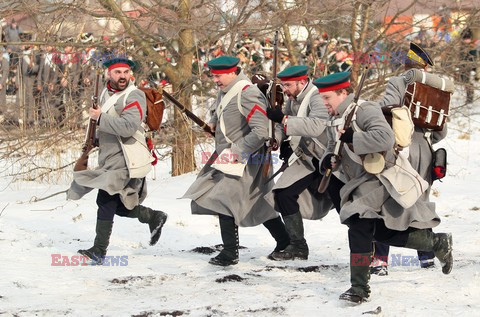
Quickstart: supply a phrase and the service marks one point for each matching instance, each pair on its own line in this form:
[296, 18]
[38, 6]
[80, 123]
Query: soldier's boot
[439, 243]
[154, 218]
[229, 254]
[298, 248]
[97, 253]
[379, 267]
[276, 227]
[359, 277]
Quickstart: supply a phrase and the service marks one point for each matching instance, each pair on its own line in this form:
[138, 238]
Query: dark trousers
[382, 250]
[109, 206]
[361, 233]
[286, 199]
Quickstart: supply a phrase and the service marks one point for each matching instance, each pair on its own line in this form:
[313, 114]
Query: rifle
[273, 95]
[188, 113]
[280, 170]
[339, 145]
[90, 142]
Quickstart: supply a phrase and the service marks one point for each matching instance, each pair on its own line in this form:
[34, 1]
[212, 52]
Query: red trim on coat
[255, 108]
[111, 89]
[134, 104]
[245, 87]
[285, 125]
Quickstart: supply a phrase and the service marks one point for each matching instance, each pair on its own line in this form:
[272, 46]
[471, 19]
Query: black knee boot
[359, 278]
[277, 229]
[439, 243]
[229, 231]
[103, 231]
[298, 248]
[155, 219]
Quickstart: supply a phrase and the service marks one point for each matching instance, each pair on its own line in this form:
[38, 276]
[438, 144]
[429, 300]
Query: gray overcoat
[420, 151]
[112, 175]
[364, 194]
[311, 128]
[214, 192]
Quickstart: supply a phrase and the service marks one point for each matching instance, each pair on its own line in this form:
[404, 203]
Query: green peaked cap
[119, 60]
[223, 64]
[333, 81]
[296, 72]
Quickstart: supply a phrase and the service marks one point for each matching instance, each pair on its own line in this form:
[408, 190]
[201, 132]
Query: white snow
[168, 279]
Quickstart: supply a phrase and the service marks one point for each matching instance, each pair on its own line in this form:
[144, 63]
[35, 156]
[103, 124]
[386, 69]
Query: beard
[120, 84]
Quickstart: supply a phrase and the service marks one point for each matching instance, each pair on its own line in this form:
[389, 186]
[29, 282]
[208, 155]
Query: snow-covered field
[171, 280]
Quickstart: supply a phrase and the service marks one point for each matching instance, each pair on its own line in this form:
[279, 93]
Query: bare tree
[185, 26]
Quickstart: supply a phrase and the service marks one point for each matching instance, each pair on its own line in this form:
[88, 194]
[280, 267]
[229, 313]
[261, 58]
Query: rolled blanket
[416, 75]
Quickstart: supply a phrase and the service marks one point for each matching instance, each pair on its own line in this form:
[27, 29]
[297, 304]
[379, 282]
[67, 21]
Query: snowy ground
[171, 280]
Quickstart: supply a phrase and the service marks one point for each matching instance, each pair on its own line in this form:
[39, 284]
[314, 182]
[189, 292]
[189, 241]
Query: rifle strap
[339, 124]
[236, 90]
[295, 140]
[302, 112]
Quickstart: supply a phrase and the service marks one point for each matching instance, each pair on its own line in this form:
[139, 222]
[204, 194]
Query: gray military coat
[313, 205]
[364, 194]
[214, 192]
[420, 150]
[112, 175]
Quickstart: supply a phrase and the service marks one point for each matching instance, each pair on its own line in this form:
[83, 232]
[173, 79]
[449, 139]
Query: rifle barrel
[188, 113]
[82, 162]
[273, 96]
[328, 173]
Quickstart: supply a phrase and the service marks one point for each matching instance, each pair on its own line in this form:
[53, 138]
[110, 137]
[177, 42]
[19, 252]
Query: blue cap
[419, 55]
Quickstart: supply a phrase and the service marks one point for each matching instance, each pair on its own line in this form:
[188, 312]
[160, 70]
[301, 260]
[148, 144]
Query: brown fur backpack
[155, 107]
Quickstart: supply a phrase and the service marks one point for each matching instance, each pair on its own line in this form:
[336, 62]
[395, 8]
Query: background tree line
[172, 40]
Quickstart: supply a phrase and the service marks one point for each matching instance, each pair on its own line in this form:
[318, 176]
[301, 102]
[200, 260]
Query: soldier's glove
[327, 161]
[285, 151]
[273, 143]
[347, 136]
[276, 115]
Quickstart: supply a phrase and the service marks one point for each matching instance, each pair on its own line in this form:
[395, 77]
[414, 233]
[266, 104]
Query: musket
[188, 113]
[273, 95]
[339, 144]
[90, 142]
[280, 170]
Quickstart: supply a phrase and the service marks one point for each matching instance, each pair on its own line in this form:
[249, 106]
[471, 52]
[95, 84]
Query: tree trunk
[288, 38]
[183, 158]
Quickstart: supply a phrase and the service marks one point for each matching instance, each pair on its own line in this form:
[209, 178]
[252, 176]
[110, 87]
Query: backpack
[399, 118]
[155, 107]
